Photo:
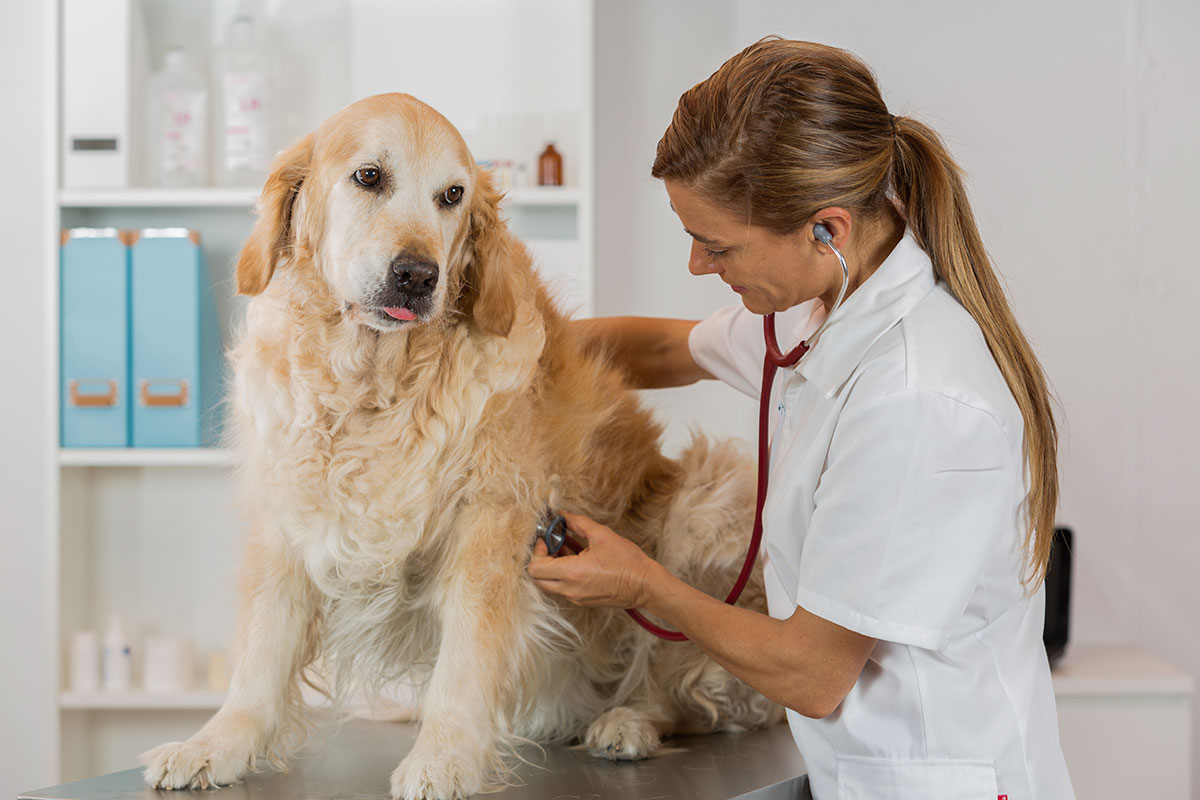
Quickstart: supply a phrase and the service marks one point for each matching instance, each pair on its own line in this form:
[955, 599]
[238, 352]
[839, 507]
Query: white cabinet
[154, 534]
[1125, 722]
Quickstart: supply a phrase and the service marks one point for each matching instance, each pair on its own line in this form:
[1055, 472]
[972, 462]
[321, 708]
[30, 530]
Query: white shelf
[217, 197]
[202, 197]
[543, 196]
[145, 457]
[135, 700]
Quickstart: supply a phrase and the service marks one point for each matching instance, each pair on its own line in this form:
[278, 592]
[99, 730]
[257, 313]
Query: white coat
[895, 510]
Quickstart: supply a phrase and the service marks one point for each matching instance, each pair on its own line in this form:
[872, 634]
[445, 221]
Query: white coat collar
[903, 279]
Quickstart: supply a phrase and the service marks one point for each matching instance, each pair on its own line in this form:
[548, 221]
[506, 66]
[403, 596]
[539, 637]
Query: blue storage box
[176, 350]
[94, 338]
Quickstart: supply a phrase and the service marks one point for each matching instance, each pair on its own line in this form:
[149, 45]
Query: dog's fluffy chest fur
[333, 414]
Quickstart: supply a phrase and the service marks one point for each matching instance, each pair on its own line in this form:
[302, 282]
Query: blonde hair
[785, 128]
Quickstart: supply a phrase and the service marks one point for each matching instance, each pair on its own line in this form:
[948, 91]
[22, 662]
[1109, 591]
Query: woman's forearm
[805, 663]
[652, 351]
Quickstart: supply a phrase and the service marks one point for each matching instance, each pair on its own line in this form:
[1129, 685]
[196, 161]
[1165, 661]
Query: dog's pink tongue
[400, 313]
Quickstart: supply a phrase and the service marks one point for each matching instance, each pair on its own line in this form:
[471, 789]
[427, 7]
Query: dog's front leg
[274, 642]
[469, 696]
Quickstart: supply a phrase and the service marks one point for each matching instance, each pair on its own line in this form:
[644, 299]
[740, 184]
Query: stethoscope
[553, 528]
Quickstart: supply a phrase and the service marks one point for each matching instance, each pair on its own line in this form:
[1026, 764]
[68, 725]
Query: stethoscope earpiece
[825, 237]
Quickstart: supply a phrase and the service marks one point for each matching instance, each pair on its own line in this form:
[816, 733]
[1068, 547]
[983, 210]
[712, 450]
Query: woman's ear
[271, 237]
[837, 220]
[492, 271]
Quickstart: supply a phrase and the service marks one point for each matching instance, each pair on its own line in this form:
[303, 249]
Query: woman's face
[771, 271]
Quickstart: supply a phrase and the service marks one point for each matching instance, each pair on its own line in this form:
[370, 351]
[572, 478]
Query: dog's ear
[271, 237]
[492, 272]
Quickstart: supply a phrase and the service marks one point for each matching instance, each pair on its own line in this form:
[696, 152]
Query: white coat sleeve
[729, 345]
[917, 494]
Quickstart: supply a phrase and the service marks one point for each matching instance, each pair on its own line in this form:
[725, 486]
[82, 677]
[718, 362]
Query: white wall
[1078, 124]
[28, 757]
[1160, 578]
[647, 54]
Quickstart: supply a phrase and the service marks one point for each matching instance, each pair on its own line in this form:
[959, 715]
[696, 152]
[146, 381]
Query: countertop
[355, 761]
[1117, 670]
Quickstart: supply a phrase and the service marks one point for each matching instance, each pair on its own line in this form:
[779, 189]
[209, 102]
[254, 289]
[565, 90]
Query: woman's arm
[652, 351]
[805, 662]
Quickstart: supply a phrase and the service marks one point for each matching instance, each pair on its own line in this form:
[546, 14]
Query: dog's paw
[622, 734]
[445, 775]
[194, 764]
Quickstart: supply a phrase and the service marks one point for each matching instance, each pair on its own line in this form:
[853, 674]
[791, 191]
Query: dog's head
[385, 204]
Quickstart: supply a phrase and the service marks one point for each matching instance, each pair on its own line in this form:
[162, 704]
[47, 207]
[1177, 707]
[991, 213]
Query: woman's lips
[738, 289]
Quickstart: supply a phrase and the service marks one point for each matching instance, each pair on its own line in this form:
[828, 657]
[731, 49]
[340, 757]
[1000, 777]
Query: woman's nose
[699, 262]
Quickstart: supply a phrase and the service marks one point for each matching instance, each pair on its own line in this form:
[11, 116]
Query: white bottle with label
[117, 661]
[178, 134]
[245, 106]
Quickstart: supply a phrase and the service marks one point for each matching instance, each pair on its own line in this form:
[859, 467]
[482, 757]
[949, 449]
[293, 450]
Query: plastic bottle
[178, 134]
[117, 661]
[243, 83]
[550, 169]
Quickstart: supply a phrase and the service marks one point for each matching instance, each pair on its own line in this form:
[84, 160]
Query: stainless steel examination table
[355, 762]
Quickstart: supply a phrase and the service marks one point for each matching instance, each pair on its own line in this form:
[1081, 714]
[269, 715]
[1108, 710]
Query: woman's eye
[367, 176]
[714, 253]
[451, 196]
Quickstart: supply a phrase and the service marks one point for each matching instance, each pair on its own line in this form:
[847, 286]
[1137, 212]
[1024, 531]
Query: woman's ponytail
[929, 189]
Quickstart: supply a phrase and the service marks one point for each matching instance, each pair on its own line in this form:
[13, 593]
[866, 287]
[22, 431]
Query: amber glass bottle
[550, 170]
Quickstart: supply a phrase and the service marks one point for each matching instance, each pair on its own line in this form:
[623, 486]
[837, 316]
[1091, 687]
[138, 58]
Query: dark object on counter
[1058, 595]
[550, 168]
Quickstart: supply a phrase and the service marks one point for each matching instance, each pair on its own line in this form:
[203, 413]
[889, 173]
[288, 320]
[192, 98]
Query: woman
[913, 477]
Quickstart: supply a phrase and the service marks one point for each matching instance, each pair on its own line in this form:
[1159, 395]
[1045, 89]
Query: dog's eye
[451, 196]
[367, 176]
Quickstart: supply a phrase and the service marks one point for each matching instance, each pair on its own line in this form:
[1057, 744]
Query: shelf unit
[154, 533]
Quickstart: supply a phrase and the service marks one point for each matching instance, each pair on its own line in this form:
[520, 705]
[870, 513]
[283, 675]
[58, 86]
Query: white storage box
[103, 77]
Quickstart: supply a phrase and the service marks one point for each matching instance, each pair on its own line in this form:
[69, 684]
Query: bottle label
[245, 122]
[183, 132]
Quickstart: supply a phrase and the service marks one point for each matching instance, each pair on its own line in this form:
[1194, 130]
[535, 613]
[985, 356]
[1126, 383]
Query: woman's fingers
[611, 570]
[584, 526]
[545, 567]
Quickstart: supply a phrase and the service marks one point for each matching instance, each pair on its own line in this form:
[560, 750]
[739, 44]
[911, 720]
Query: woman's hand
[611, 571]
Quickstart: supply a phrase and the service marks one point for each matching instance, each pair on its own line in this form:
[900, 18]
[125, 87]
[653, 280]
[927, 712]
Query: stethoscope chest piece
[553, 531]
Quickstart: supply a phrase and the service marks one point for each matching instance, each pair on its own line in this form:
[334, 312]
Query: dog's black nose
[413, 276]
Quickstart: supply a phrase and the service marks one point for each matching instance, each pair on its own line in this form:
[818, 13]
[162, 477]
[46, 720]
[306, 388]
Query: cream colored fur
[396, 473]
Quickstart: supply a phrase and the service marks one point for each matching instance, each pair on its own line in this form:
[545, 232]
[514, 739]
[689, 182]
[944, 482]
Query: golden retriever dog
[408, 403]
